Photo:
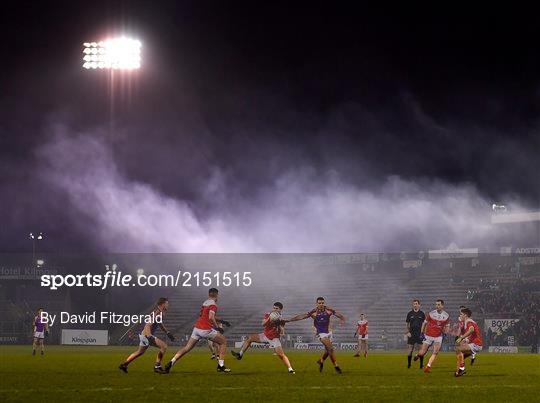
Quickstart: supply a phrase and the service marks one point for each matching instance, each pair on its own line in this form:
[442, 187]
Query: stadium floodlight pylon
[117, 53]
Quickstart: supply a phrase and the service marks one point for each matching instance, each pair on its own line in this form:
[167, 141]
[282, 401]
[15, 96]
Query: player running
[461, 330]
[469, 343]
[40, 329]
[147, 337]
[214, 347]
[415, 320]
[362, 333]
[206, 327]
[435, 324]
[321, 320]
[273, 328]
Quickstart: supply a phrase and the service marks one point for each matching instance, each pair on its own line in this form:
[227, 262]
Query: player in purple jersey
[40, 330]
[147, 337]
[321, 320]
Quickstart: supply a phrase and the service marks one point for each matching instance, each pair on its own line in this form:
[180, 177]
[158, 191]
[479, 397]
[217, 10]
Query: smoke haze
[251, 130]
[301, 210]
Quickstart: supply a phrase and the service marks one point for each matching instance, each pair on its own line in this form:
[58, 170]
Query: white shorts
[207, 334]
[362, 337]
[39, 335]
[432, 340]
[475, 348]
[145, 341]
[274, 343]
[325, 336]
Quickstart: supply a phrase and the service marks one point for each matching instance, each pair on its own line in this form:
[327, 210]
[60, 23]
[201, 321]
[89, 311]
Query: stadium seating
[382, 289]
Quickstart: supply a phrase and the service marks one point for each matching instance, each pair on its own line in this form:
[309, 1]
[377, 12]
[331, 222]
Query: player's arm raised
[298, 317]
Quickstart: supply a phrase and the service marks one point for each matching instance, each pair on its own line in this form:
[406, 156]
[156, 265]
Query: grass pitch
[91, 374]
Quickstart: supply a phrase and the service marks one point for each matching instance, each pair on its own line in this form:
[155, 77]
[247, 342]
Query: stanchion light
[118, 54]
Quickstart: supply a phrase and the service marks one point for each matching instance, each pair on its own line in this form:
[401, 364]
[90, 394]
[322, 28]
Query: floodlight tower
[34, 237]
[121, 54]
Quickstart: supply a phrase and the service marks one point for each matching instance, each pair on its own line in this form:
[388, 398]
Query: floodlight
[116, 53]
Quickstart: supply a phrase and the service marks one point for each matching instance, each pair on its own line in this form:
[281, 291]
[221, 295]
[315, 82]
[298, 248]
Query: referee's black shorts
[414, 339]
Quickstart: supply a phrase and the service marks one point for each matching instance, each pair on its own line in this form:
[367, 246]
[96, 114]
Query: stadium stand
[382, 289]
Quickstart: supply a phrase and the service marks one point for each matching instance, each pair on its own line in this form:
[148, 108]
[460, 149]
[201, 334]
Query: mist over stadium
[201, 151]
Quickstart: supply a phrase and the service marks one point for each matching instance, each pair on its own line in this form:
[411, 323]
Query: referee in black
[415, 319]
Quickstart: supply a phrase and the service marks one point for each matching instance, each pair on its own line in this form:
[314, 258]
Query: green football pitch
[91, 374]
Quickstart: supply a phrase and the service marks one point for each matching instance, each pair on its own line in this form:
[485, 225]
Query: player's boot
[427, 369]
[356, 355]
[123, 367]
[168, 367]
[473, 357]
[158, 369]
[236, 355]
[320, 363]
[338, 370]
[292, 371]
[33, 352]
[460, 372]
[223, 368]
[365, 354]
[213, 356]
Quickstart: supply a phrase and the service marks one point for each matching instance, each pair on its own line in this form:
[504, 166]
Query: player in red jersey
[362, 333]
[436, 323]
[273, 328]
[206, 327]
[470, 342]
[462, 330]
[147, 337]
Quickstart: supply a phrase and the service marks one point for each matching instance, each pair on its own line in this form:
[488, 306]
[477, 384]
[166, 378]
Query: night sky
[261, 127]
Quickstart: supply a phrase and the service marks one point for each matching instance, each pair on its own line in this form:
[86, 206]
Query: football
[275, 316]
